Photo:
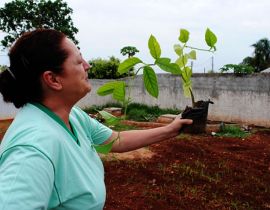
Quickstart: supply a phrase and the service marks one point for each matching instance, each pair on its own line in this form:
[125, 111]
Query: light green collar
[55, 117]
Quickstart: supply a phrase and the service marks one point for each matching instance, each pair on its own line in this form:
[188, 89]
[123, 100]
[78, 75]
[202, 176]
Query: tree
[19, 16]
[237, 68]
[105, 69]
[261, 55]
[129, 50]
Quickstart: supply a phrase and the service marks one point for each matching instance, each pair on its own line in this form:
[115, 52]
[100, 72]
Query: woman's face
[74, 77]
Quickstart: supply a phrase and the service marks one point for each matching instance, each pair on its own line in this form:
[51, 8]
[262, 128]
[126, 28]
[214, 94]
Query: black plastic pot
[198, 114]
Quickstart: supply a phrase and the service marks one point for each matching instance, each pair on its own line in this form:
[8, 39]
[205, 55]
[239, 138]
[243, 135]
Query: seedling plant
[178, 67]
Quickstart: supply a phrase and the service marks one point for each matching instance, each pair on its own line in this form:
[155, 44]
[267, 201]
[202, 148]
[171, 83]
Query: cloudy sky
[105, 26]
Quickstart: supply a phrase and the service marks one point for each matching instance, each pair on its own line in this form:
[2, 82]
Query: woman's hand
[176, 125]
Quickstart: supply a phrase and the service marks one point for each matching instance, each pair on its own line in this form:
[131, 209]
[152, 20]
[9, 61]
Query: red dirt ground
[194, 172]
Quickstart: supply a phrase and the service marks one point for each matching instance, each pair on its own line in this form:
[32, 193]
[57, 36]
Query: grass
[142, 112]
[135, 111]
[232, 131]
[95, 108]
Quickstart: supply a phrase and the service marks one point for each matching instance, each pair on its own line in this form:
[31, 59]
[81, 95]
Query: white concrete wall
[243, 99]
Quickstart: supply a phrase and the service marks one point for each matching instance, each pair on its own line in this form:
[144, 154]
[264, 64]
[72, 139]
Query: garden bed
[193, 172]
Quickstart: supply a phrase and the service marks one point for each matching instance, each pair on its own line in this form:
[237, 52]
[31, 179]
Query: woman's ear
[51, 80]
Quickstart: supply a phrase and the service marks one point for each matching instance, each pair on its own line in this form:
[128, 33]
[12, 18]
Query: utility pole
[212, 58]
[191, 66]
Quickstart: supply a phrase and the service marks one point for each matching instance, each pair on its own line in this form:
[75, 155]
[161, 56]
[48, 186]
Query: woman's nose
[86, 65]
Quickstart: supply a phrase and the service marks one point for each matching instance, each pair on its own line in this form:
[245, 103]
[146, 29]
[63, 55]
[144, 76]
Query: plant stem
[130, 84]
[200, 49]
[192, 98]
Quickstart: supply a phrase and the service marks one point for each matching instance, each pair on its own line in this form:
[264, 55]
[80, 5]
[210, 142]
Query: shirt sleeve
[99, 132]
[26, 179]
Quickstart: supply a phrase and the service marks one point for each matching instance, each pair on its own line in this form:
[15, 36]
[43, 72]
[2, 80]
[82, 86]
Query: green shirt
[43, 165]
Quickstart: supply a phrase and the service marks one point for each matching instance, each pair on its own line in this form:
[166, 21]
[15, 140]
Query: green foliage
[184, 36]
[19, 16]
[117, 88]
[105, 69]
[210, 38]
[139, 115]
[128, 64]
[106, 148]
[182, 60]
[109, 118]
[149, 77]
[232, 131]
[154, 47]
[142, 112]
[150, 81]
[135, 111]
[166, 65]
[178, 68]
[261, 56]
[129, 50]
[237, 69]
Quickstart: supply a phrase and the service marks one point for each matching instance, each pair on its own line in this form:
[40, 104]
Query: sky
[105, 26]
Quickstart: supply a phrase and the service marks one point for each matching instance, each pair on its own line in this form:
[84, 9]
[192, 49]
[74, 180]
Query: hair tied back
[10, 72]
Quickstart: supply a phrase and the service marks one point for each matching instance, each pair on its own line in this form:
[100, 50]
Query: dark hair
[32, 54]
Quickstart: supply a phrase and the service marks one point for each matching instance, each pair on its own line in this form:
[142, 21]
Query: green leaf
[186, 73]
[192, 55]
[107, 88]
[182, 61]
[127, 64]
[174, 68]
[164, 64]
[178, 49]
[184, 36]
[187, 87]
[154, 47]
[109, 118]
[210, 38]
[105, 148]
[150, 81]
[119, 91]
[186, 78]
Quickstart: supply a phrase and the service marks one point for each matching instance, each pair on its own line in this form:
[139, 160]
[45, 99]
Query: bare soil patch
[194, 172]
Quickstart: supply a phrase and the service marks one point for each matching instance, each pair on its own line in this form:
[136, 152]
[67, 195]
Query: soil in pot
[198, 114]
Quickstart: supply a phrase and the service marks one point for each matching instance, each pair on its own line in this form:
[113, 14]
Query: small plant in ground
[232, 131]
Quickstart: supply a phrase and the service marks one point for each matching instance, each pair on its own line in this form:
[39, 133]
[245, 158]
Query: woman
[47, 160]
